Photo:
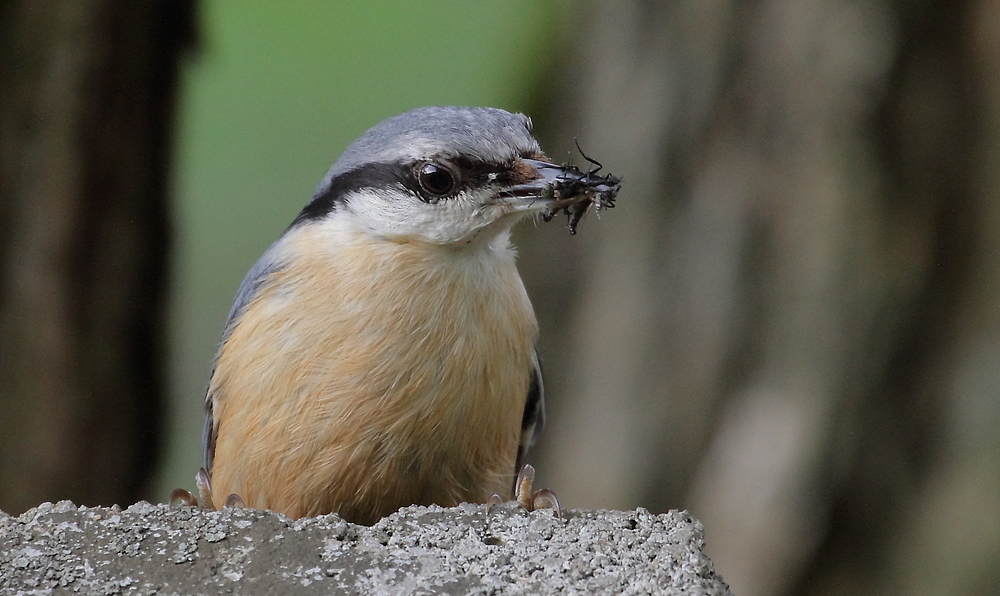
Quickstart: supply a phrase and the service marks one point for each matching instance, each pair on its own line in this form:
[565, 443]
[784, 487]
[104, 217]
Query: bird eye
[436, 179]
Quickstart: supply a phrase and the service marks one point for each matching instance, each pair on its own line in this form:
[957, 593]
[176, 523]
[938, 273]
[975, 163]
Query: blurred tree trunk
[790, 323]
[87, 92]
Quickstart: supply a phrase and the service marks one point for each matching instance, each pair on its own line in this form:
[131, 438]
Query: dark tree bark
[789, 323]
[87, 93]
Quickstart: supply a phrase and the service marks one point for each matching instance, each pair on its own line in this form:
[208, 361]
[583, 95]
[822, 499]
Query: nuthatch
[382, 352]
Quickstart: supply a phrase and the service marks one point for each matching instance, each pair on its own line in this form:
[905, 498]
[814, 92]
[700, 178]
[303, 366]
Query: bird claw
[528, 499]
[203, 481]
[494, 501]
[546, 499]
[180, 497]
[183, 498]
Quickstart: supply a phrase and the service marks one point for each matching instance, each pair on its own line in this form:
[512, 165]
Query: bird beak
[549, 188]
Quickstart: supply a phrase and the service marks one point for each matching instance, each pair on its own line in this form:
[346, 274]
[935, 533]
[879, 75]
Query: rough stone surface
[155, 549]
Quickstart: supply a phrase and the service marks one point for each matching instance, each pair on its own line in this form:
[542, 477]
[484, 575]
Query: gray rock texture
[155, 549]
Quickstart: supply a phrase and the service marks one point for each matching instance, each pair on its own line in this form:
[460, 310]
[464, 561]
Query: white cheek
[398, 215]
[382, 211]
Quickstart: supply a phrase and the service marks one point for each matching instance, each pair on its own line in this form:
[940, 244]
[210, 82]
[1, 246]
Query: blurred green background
[275, 93]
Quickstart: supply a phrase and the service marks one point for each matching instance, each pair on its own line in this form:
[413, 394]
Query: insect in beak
[567, 188]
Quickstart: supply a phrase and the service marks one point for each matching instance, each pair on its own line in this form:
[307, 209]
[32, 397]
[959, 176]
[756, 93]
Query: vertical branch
[86, 107]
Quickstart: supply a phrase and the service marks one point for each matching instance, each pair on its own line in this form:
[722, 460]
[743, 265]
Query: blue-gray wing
[256, 277]
[534, 414]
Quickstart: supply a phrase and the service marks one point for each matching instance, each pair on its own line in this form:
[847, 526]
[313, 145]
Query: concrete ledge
[146, 549]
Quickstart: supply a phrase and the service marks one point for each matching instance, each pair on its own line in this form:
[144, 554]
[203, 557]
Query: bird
[382, 352]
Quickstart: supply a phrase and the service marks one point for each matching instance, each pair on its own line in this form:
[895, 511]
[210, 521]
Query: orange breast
[371, 375]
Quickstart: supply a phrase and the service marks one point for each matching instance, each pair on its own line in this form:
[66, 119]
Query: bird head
[447, 176]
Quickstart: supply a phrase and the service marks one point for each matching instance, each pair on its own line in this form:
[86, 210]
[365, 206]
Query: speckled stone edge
[147, 549]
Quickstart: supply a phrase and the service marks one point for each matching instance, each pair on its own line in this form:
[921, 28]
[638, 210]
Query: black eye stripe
[477, 172]
[472, 173]
[372, 175]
